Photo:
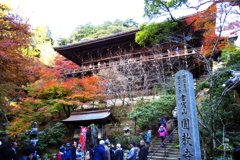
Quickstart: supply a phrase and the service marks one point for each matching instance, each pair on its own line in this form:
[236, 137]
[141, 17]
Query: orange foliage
[206, 21]
[16, 69]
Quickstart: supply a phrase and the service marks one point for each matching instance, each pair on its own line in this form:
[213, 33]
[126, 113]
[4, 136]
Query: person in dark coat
[32, 145]
[112, 150]
[143, 151]
[99, 151]
[14, 148]
[162, 121]
[28, 153]
[73, 150]
[6, 152]
[118, 153]
[91, 150]
[236, 153]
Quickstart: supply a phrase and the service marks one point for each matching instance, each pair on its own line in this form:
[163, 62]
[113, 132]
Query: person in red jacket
[162, 133]
[60, 153]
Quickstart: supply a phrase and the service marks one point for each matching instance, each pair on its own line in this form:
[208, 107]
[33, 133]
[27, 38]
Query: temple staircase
[172, 153]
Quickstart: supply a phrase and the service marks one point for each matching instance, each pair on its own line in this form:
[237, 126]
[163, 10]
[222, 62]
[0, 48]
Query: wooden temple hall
[118, 54]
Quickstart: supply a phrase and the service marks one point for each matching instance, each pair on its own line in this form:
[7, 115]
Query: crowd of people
[8, 151]
[105, 150]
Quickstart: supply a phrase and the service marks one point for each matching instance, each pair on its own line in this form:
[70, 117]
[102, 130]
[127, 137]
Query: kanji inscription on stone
[187, 117]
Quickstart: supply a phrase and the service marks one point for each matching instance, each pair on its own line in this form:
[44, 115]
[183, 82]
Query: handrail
[162, 144]
[135, 60]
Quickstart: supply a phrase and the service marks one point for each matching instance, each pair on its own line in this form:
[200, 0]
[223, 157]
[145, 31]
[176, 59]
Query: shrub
[52, 135]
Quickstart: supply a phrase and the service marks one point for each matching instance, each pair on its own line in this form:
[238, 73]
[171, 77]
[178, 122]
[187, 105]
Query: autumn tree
[16, 68]
[54, 97]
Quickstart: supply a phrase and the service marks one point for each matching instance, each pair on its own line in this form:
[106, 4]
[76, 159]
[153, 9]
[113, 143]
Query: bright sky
[63, 16]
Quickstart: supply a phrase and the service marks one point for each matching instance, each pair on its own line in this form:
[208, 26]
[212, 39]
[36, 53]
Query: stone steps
[172, 153]
[164, 158]
[168, 154]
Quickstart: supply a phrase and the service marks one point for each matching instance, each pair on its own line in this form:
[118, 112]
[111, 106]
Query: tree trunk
[4, 115]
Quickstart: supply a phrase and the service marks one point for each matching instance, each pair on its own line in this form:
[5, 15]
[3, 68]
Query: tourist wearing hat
[143, 151]
[60, 153]
[79, 153]
[133, 153]
[149, 140]
[118, 153]
[99, 151]
[67, 154]
[28, 153]
[107, 150]
[33, 146]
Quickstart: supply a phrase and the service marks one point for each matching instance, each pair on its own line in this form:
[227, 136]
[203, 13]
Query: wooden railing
[133, 60]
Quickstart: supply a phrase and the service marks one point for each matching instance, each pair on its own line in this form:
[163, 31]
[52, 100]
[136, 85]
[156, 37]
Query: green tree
[88, 31]
[150, 114]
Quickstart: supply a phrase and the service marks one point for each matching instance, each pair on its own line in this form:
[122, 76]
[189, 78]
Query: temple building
[119, 55]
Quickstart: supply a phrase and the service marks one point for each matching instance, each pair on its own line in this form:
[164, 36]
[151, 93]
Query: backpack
[87, 157]
[161, 129]
[145, 135]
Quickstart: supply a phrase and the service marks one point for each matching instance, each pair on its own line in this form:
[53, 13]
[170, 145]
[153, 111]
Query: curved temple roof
[97, 115]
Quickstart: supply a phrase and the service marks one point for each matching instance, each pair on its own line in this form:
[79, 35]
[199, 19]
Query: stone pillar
[187, 116]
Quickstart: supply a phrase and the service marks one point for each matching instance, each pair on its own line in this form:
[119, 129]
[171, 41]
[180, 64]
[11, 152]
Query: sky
[63, 16]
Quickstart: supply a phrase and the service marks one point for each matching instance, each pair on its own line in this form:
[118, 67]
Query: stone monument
[33, 133]
[3, 134]
[187, 117]
[127, 130]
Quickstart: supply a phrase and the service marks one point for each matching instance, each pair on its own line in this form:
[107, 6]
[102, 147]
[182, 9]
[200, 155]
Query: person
[143, 151]
[73, 149]
[14, 148]
[67, 153]
[118, 153]
[174, 113]
[79, 153]
[99, 152]
[170, 128]
[112, 150]
[138, 150]
[162, 121]
[177, 51]
[28, 153]
[133, 153]
[236, 153]
[6, 152]
[162, 133]
[107, 150]
[33, 146]
[219, 60]
[149, 140]
[90, 151]
[60, 153]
